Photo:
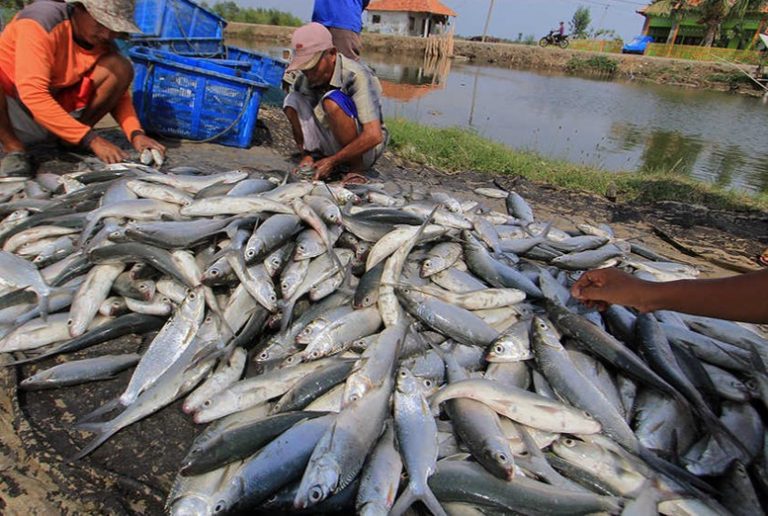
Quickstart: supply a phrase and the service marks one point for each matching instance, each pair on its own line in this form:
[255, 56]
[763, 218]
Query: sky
[510, 17]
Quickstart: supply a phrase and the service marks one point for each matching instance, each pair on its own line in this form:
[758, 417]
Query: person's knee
[117, 65]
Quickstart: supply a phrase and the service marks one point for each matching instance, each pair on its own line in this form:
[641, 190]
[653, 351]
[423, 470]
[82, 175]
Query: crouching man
[334, 107]
[60, 73]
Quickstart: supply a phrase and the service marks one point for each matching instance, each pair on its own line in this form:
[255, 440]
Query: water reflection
[711, 136]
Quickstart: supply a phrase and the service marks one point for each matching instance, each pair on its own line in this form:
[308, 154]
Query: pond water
[711, 136]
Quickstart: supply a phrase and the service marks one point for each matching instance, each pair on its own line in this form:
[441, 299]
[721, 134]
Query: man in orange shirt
[60, 73]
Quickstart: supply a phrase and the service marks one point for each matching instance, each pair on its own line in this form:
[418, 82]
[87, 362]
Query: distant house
[680, 22]
[408, 17]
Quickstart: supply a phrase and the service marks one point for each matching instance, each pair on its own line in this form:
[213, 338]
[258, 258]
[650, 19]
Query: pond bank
[676, 72]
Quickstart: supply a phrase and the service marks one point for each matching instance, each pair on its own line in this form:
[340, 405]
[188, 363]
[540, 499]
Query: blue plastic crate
[192, 47]
[177, 19]
[269, 69]
[195, 98]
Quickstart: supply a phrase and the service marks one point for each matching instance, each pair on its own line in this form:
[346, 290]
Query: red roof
[406, 92]
[412, 6]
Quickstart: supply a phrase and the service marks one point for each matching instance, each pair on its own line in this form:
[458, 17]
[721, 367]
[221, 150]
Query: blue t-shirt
[340, 14]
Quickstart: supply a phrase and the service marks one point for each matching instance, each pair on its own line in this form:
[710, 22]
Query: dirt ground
[133, 471]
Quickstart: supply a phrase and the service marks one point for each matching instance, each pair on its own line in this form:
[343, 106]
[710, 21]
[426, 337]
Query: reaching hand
[142, 141]
[107, 152]
[323, 168]
[602, 287]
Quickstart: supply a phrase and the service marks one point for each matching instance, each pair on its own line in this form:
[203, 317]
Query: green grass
[595, 64]
[459, 150]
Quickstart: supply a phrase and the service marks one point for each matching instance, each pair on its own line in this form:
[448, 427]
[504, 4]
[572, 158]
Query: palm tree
[715, 12]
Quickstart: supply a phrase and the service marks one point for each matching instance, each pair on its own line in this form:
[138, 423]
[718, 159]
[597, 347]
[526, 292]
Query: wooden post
[759, 31]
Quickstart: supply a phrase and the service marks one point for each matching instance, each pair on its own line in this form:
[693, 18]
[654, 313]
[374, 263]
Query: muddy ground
[660, 70]
[132, 472]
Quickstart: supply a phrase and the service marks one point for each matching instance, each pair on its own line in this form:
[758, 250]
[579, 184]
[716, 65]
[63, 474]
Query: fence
[597, 45]
[440, 46]
[697, 53]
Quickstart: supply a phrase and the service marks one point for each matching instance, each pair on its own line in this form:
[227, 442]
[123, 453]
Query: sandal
[353, 178]
[16, 164]
[763, 258]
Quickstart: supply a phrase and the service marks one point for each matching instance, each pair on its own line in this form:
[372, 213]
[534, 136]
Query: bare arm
[740, 298]
[369, 137]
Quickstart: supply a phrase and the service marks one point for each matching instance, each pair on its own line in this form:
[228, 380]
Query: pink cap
[308, 43]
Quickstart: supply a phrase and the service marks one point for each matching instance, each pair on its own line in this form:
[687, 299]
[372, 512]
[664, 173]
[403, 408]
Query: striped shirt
[353, 79]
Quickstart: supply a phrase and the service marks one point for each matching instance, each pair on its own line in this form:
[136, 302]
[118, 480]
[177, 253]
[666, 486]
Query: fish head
[321, 480]
[499, 457]
[545, 333]
[220, 405]
[406, 381]
[146, 289]
[191, 506]
[355, 388]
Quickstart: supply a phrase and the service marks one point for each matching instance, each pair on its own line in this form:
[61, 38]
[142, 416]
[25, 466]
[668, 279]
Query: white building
[408, 17]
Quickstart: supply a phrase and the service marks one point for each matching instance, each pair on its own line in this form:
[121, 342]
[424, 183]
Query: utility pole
[602, 19]
[487, 21]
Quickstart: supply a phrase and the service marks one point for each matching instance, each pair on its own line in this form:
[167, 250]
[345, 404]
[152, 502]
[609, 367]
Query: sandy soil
[131, 473]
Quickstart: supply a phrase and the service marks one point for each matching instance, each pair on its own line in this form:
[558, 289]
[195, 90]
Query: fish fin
[43, 302]
[104, 409]
[409, 497]
[287, 309]
[103, 432]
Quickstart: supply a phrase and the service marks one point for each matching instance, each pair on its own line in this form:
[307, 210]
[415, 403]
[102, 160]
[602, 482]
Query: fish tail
[103, 432]
[410, 496]
[104, 409]
[686, 480]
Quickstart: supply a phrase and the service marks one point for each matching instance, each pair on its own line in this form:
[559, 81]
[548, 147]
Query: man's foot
[16, 164]
[353, 178]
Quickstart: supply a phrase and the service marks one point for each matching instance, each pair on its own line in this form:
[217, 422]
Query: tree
[579, 24]
[715, 12]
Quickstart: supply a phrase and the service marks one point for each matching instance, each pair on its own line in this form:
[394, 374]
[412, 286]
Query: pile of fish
[333, 339]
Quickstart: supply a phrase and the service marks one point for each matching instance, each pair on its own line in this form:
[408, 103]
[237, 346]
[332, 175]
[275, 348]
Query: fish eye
[403, 374]
[501, 457]
[569, 442]
[498, 348]
[427, 383]
[316, 494]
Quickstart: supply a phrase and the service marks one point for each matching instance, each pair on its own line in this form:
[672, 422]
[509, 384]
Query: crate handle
[150, 68]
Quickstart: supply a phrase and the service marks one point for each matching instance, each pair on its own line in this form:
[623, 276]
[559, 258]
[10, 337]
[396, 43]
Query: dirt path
[132, 473]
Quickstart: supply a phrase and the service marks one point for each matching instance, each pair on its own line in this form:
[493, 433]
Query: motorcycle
[553, 38]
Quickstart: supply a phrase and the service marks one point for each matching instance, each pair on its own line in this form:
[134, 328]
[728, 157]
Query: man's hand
[602, 287]
[306, 161]
[324, 168]
[142, 141]
[107, 152]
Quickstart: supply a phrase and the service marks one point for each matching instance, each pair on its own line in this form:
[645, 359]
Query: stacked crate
[188, 83]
